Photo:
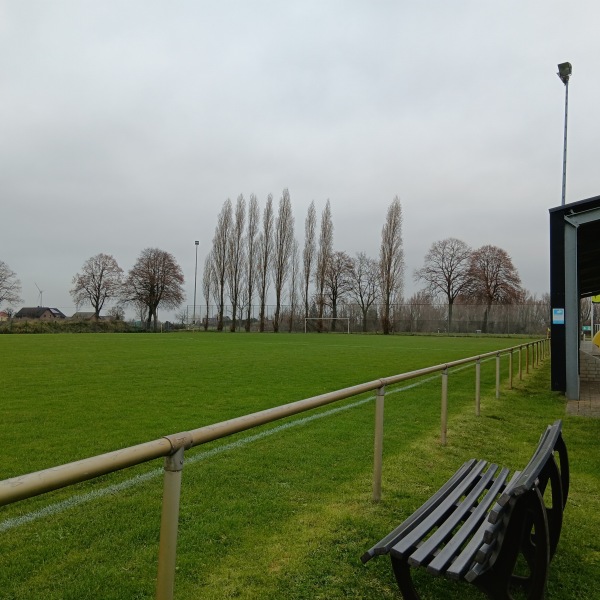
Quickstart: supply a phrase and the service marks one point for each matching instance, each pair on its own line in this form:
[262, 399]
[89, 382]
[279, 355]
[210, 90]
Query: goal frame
[347, 319]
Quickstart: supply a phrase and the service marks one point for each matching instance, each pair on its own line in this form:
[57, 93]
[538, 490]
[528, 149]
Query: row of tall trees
[251, 256]
[251, 253]
[155, 280]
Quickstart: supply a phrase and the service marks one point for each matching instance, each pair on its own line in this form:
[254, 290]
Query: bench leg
[552, 475]
[404, 579]
[526, 535]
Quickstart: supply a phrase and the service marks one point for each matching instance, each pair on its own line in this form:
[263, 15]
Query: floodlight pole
[564, 72]
[195, 279]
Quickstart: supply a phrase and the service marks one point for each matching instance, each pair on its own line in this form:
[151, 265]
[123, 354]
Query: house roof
[83, 315]
[37, 311]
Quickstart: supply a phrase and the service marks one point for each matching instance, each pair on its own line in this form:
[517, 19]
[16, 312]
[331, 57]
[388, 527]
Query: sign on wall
[558, 316]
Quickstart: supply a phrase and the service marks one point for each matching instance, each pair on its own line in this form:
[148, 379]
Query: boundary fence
[172, 447]
[524, 319]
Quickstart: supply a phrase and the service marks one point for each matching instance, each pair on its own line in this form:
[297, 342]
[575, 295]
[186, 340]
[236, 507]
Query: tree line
[255, 257]
[253, 250]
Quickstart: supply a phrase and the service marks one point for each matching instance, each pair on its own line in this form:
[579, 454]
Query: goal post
[347, 319]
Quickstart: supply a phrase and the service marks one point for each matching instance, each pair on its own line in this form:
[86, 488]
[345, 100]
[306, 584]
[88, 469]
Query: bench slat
[425, 551]
[464, 560]
[440, 562]
[384, 545]
[409, 541]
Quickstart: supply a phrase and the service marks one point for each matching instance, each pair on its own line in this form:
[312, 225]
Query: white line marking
[58, 507]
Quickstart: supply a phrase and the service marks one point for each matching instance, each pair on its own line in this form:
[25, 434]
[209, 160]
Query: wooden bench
[486, 528]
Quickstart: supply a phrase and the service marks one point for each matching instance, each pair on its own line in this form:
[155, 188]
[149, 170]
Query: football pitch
[282, 511]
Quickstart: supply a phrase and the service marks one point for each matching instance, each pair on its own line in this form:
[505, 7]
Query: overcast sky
[125, 125]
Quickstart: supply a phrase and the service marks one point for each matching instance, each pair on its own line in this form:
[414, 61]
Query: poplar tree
[283, 240]
[391, 263]
[265, 245]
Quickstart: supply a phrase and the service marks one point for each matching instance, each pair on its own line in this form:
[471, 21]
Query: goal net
[325, 324]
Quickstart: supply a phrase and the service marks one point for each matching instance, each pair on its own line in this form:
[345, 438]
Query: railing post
[520, 363]
[498, 375]
[378, 453]
[167, 551]
[527, 359]
[510, 369]
[444, 418]
[477, 387]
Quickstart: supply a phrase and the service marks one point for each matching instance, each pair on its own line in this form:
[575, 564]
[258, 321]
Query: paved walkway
[588, 404]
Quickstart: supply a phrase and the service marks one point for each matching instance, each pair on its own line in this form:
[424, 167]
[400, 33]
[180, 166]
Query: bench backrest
[541, 469]
[550, 442]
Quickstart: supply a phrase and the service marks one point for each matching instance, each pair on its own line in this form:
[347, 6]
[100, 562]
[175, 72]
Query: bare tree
[182, 316]
[100, 280]
[323, 257]
[283, 240]
[220, 254]
[494, 279]
[421, 309]
[156, 280]
[251, 254]
[364, 284]
[237, 255]
[116, 312]
[293, 288]
[338, 281]
[446, 271]
[308, 254]
[208, 283]
[141, 310]
[265, 245]
[10, 286]
[391, 262]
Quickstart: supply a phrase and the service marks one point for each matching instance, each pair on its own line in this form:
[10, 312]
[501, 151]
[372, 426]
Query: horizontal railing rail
[172, 447]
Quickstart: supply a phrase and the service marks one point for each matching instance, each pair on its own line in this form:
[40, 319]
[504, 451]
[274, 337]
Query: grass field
[280, 512]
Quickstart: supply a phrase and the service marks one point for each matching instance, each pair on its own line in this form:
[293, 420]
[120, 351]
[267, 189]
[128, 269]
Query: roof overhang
[585, 216]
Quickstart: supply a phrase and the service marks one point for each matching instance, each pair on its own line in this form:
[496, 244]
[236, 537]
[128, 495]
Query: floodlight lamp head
[197, 242]
[564, 72]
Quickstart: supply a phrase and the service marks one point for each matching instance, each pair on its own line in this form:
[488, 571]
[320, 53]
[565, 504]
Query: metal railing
[173, 447]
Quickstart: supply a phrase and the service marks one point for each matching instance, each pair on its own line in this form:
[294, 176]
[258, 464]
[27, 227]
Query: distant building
[3, 316]
[42, 313]
[83, 316]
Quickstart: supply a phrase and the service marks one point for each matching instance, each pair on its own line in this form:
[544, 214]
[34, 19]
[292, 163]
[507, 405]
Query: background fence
[527, 319]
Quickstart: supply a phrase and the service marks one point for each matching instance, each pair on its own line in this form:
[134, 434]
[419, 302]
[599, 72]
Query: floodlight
[564, 72]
